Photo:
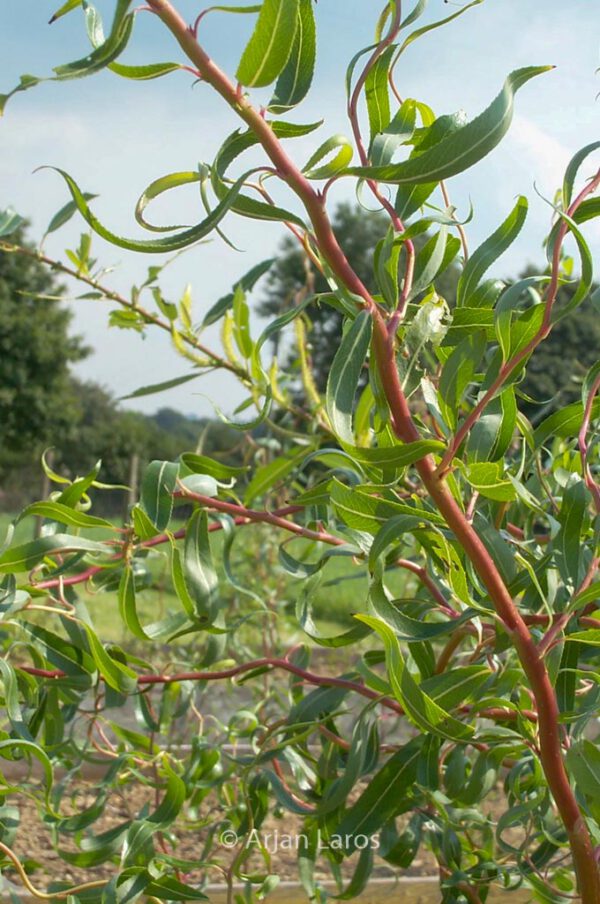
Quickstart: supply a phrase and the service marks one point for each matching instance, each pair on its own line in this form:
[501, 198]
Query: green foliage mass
[359, 232]
[557, 368]
[452, 712]
[37, 397]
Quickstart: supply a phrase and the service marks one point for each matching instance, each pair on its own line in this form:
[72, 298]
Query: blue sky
[116, 136]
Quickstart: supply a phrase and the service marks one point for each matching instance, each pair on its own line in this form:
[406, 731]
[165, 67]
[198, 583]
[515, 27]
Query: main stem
[550, 749]
[548, 715]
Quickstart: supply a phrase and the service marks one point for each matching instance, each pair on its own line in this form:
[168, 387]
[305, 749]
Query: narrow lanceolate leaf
[384, 796]
[295, 79]
[65, 213]
[142, 525]
[460, 369]
[568, 542]
[237, 143]
[414, 629]
[137, 73]
[27, 555]
[26, 82]
[419, 32]
[335, 162]
[377, 93]
[487, 253]
[9, 221]
[270, 475]
[67, 7]
[246, 283]
[492, 434]
[397, 456]
[565, 422]
[105, 53]
[466, 684]
[365, 512]
[422, 711]
[64, 514]
[11, 701]
[417, 12]
[154, 246]
[396, 133]
[358, 758]
[128, 607]
[587, 210]
[463, 148]
[201, 464]
[10, 747]
[118, 676]
[158, 486]
[487, 478]
[572, 170]
[305, 620]
[345, 374]
[430, 261]
[583, 761]
[160, 387]
[199, 573]
[269, 48]
[585, 281]
[144, 73]
[410, 198]
[516, 299]
[159, 187]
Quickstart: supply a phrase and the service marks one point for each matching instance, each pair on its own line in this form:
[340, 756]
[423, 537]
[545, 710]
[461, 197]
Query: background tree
[558, 366]
[101, 430]
[42, 404]
[36, 351]
[358, 231]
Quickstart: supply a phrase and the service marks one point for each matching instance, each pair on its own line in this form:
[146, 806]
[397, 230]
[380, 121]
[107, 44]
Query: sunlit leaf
[270, 46]
[462, 149]
[295, 79]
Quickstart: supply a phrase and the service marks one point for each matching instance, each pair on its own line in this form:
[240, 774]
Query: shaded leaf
[27, 555]
[489, 252]
[345, 374]
[384, 796]
[158, 486]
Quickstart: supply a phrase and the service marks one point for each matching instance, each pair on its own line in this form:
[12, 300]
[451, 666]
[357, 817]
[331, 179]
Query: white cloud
[544, 154]
[115, 138]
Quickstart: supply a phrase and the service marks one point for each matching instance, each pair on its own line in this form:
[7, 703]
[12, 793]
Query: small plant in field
[415, 461]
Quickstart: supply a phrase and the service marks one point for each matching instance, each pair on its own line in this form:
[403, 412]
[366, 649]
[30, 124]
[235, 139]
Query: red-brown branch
[552, 634]
[267, 662]
[83, 576]
[261, 517]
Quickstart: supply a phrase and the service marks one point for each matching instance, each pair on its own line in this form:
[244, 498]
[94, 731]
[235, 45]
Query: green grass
[23, 530]
[341, 593]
